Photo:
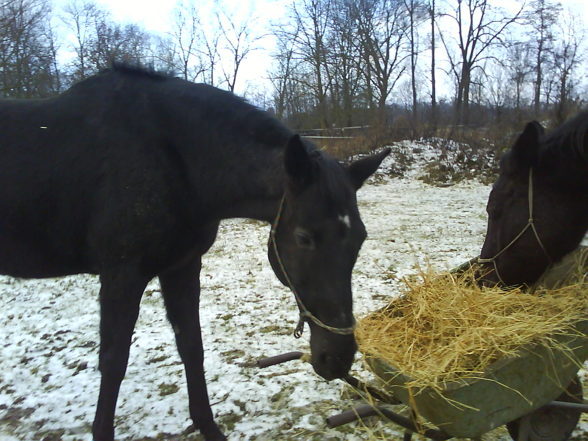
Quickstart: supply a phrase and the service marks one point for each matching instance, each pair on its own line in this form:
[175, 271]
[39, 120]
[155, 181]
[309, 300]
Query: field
[49, 331]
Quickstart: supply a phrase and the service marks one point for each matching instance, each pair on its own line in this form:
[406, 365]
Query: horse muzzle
[331, 354]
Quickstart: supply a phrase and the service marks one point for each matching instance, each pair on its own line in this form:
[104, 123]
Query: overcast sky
[156, 16]
[153, 14]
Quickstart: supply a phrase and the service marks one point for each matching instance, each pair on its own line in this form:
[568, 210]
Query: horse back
[84, 184]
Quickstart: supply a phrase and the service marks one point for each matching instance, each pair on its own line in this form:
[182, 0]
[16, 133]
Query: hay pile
[445, 327]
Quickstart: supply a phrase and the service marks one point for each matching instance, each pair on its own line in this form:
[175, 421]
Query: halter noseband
[530, 224]
[305, 314]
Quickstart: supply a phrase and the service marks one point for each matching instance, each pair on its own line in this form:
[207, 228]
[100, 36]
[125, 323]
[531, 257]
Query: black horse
[128, 174]
[538, 207]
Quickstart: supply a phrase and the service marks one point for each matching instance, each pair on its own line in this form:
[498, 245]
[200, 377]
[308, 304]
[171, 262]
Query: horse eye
[304, 239]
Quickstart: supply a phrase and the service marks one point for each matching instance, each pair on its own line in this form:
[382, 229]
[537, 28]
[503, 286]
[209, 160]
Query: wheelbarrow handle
[352, 381]
[367, 410]
[277, 359]
[375, 393]
[351, 415]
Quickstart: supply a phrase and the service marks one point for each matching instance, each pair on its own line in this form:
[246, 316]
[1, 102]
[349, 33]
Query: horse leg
[120, 296]
[181, 292]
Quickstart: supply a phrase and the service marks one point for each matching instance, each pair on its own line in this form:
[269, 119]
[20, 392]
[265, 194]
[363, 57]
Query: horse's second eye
[304, 239]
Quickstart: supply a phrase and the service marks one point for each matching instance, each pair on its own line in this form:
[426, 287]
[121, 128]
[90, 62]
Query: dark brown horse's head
[538, 207]
[314, 245]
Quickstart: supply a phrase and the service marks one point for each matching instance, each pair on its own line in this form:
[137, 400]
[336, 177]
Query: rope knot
[299, 328]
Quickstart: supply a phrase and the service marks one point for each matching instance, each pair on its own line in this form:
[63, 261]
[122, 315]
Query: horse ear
[298, 162]
[363, 168]
[526, 147]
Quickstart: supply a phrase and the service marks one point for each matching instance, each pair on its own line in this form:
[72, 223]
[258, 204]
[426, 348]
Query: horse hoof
[212, 433]
[218, 436]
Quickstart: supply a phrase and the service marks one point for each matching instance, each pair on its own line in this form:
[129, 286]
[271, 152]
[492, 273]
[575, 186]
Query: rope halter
[530, 225]
[305, 314]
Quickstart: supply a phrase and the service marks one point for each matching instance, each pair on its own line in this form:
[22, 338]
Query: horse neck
[570, 174]
[573, 177]
[254, 187]
[585, 208]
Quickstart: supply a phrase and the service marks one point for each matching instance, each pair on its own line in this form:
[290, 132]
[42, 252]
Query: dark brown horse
[128, 174]
[538, 207]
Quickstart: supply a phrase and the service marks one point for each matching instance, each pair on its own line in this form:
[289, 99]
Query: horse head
[314, 244]
[536, 209]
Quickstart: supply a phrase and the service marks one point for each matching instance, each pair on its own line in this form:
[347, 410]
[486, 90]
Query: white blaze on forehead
[345, 220]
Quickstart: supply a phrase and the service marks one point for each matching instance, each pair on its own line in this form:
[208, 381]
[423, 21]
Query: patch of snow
[438, 160]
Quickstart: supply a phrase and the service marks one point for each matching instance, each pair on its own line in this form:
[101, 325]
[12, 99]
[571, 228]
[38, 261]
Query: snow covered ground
[49, 331]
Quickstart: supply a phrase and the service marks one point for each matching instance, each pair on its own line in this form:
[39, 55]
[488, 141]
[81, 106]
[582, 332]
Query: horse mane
[569, 141]
[263, 126]
[228, 108]
[129, 70]
[138, 70]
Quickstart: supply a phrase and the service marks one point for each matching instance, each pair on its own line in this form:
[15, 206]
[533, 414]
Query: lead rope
[304, 312]
[530, 224]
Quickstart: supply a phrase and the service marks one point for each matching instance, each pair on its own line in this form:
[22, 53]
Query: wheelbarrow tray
[510, 388]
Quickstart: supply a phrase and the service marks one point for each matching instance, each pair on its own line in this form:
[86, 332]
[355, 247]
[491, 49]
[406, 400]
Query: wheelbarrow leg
[524, 428]
[407, 436]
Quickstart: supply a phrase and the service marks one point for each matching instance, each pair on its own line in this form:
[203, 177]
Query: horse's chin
[485, 275]
[332, 371]
[335, 359]
[510, 278]
[488, 279]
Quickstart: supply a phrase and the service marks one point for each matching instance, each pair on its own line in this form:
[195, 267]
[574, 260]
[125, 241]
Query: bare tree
[382, 29]
[416, 12]
[282, 75]
[185, 39]
[345, 61]
[99, 40]
[27, 49]
[113, 42]
[567, 57]
[542, 17]
[308, 31]
[53, 49]
[294, 77]
[80, 18]
[239, 41]
[432, 19]
[164, 54]
[210, 54]
[519, 64]
[497, 93]
[477, 30]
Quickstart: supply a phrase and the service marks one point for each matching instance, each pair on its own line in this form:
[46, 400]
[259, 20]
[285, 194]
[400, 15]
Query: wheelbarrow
[536, 394]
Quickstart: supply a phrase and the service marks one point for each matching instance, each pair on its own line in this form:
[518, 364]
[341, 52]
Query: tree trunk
[538, 78]
[413, 67]
[433, 81]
